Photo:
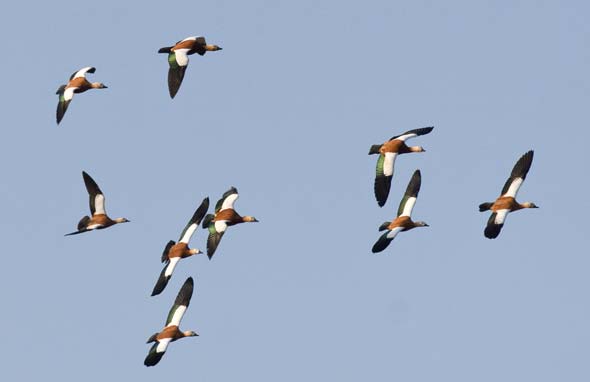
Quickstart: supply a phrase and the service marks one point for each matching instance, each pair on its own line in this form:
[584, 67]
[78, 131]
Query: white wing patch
[99, 204]
[171, 266]
[188, 234]
[178, 313]
[163, 345]
[190, 38]
[181, 56]
[406, 136]
[388, 164]
[393, 233]
[501, 216]
[229, 202]
[220, 225]
[94, 226]
[514, 187]
[409, 206]
[82, 72]
[69, 93]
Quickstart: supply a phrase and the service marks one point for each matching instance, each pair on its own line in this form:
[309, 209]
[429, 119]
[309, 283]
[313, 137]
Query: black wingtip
[165, 49]
[414, 185]
[492, 231]
[185, 293]
[153, 357]
[161, 283]
[381, 188]
[200, 212]
[381, 243]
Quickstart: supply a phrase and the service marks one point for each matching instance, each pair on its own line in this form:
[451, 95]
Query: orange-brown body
[402, 221]
[232, 217]
[101, 219]
[171, 331]
[397, 146]
[180, 250]
[506, 203]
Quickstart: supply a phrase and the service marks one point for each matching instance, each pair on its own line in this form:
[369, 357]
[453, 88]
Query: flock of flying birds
[395, 146]
[225, 216]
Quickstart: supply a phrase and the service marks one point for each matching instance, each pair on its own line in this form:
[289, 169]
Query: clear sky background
[286, 112]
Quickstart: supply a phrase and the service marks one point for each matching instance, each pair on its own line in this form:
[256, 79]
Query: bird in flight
[176, 251]
[388, 152]
[171, 332]
[224, 216]
[77, 84]
[403, 221]
[99, 218]
[178, 58]
[506, 202]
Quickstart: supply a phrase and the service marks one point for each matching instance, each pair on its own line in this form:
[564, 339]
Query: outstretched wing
[384, 173]
[409, 199]
[413, 133]
[175, 76]
[156, 352]
[194, 222]
[96, 196]
[495, 224]
[82, 72]
[227, 200]
[518, 175]
[165, 276]
[216, 231]
[385, 239]
[182, 302]
[65, 97]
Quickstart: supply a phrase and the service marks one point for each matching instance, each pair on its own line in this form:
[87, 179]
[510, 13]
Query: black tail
[165, 49]
[169, 245]
[485, 206]
[161, 283]
[374, 149]
[384, 226]
[152, 338]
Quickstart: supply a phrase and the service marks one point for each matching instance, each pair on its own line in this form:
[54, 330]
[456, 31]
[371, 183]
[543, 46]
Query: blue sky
[286, 112]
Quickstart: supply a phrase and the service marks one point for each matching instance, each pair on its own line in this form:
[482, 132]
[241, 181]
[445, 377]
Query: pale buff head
[98, 85]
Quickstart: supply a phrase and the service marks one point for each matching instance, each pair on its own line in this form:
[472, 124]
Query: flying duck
[387, 154]
[506, 202]
[403, 221]
[176, 251]
[99, 219]
[178, 59]
[171, 332]
[224, 216]
[77, 84]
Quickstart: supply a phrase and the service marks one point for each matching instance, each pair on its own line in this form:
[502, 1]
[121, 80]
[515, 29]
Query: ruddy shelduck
[77, 84]
[178, 58]
[171, 332]
[99, 218]
[224, 216]
[403, 221]
[506, 202]
[388, 152]
[176, 251]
